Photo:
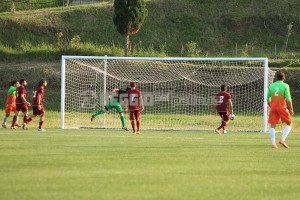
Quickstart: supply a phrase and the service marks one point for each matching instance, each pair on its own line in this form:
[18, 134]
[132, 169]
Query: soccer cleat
[17, 125]
[137, 133]
[42, 130]
[24, 127]
[224, 131]
[274, 146]
[217, 131]
[3, 125]
[92, 118]
[283, 144]
[125, 128]
[13, 128]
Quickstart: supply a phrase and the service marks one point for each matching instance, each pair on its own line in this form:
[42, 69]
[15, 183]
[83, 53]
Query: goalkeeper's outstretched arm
[115, 90]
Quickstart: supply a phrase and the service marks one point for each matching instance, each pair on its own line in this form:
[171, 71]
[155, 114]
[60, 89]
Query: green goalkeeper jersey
[113, 103]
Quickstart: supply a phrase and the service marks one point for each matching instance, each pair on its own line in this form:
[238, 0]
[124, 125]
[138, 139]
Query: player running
[136, 105]
[281, 107]
[11, 102]
[37, 104]
[21, 104]
[221, 102]
[113, 103]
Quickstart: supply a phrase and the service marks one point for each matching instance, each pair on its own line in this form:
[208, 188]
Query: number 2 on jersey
[276, 91]
[221, 99]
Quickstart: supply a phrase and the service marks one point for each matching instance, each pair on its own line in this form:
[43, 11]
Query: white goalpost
[177, 92]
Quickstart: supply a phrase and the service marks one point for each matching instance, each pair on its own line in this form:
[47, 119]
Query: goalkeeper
[113, 103]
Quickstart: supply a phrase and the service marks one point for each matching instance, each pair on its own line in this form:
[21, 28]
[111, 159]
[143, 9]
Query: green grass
[201, 121]
[216, 28]
[114, 164]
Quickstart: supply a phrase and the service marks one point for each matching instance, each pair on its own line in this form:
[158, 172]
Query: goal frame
[106, 58]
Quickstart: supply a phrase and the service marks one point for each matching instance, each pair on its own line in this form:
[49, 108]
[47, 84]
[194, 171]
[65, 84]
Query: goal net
[178, 92]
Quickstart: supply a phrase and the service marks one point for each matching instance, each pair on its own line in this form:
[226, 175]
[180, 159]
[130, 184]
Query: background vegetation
[172, 28]
[21, 5]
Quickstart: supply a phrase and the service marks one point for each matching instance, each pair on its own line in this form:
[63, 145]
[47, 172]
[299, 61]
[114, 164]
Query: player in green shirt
[11, 102]
[280, 102]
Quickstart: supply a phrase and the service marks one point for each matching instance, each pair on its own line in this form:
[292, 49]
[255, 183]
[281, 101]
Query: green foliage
[217, 30]
[192, 50]
[67, 3]
[121, 20]
[60, 43]
[129, 15]
[163, 49]
[283, 55]
[245, 51]
[13, 7]
[75, 43]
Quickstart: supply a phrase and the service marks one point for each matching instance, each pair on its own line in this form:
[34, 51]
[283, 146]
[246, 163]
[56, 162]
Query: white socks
[272, 136]
[285, 132]
[4, 119]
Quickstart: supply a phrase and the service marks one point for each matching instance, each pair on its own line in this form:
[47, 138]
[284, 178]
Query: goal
[178, 92]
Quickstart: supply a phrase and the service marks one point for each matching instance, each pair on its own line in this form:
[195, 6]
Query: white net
[178, 93]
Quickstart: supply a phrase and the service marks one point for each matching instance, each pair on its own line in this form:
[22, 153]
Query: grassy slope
[216, 26]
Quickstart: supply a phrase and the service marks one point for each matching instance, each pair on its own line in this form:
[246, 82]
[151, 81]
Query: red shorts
[224, 115]
[36, 110]
[279, 113]
[22, 107]
[135, 115]
[10, 108]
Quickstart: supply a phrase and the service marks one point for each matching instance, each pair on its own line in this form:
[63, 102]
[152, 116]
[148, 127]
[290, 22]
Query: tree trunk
[126, 46]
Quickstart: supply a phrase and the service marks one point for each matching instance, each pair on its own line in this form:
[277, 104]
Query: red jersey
[221, 100]
[37, 91]
[134, 99]
[20, 90]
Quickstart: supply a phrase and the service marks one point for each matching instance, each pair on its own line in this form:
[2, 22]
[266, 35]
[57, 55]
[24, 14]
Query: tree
[129, 17]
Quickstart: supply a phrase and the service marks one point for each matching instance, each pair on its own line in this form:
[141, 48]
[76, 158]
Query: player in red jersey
[221, 101]
[21, 104]
[136, 105]
[37, 104]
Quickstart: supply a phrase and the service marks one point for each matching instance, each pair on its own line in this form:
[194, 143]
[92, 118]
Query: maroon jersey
[37, 91]
[134, 99]
[221, 100]
[20, 90]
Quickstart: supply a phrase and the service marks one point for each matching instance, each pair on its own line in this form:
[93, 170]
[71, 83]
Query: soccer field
[115, 164]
